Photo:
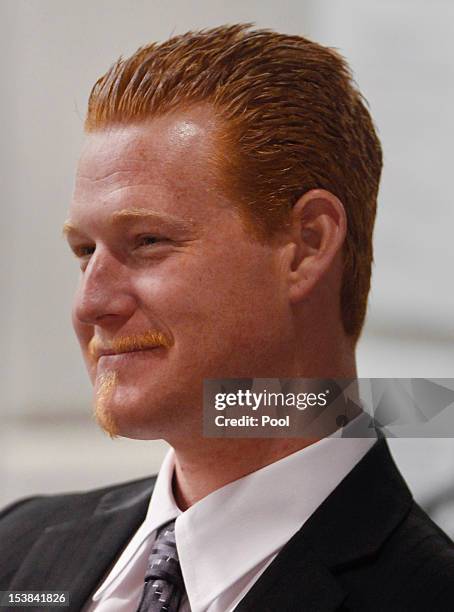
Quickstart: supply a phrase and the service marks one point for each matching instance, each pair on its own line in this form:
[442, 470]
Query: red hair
[293, 121]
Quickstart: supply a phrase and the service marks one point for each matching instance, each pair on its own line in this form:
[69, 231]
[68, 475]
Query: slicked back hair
[293, 121]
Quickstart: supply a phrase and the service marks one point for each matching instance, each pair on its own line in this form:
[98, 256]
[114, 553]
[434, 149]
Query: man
[222, 218]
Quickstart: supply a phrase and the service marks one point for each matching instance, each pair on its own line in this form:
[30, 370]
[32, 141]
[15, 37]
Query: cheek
[217, 298]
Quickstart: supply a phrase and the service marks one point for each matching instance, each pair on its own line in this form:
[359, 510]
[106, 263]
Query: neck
[212, 463]
[203, 465]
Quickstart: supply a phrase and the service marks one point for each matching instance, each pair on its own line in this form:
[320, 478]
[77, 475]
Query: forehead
[163, 162]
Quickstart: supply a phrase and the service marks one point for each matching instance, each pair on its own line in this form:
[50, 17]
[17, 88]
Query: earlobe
[318, 229]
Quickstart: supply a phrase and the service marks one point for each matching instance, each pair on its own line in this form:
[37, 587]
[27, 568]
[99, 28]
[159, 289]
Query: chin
[129, 413]
[117, 422]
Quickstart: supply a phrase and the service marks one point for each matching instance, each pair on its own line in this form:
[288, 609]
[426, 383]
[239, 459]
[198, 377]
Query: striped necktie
[164, 585]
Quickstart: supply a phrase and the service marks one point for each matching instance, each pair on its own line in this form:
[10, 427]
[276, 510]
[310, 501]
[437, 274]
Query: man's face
[173, 289]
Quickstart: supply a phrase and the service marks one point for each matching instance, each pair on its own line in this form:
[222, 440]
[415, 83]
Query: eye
[147, 240]
[83, 251]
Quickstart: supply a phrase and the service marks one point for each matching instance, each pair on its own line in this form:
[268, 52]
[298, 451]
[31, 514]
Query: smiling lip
[112, 353]
[134, 343]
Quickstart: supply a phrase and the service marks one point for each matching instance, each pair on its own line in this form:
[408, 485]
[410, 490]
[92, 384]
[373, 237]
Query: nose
[104, 295]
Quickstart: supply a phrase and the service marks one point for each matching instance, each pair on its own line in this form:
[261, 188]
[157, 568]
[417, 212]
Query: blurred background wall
[51, 52]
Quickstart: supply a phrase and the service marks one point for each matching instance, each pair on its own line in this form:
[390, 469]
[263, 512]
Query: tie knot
[163, 562]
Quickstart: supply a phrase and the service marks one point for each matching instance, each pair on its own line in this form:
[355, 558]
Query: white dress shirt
[227, 539]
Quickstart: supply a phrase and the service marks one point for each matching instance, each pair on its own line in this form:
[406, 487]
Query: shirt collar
[235, 528]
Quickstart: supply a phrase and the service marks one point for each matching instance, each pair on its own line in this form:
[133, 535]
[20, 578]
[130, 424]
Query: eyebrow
[129, 215]
[68, 228]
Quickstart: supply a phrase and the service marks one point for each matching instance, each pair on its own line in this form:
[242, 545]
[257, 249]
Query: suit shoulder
[419, 540]
[412, 570]
[427, 546]
[24, 522]
[42, 510]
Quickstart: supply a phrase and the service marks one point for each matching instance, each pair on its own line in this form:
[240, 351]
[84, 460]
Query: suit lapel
[296, 580]
[352, 523]
[78, 553]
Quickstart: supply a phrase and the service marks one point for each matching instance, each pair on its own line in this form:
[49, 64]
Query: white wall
[51, 53]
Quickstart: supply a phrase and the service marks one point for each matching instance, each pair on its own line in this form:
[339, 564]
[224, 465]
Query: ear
[318, 226]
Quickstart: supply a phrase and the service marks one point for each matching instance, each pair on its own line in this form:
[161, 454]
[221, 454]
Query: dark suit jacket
[368, 547]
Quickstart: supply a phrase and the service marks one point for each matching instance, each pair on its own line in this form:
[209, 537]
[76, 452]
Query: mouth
[123, 346]
[126, 353]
